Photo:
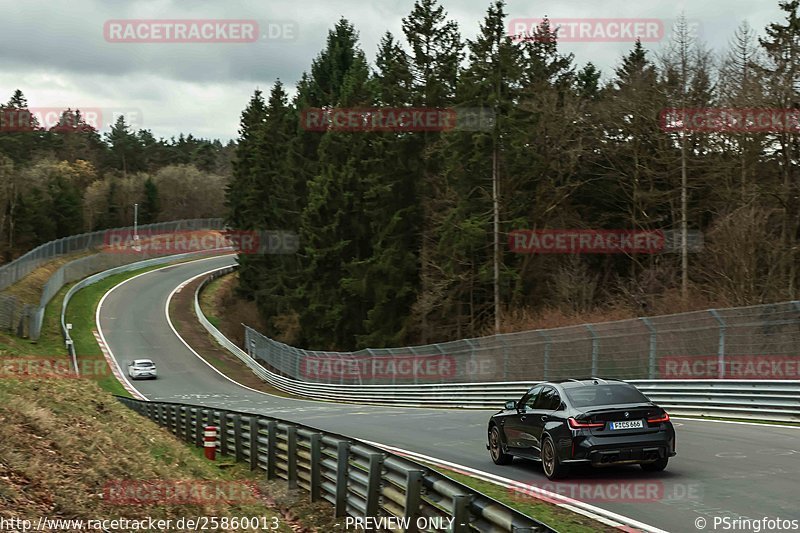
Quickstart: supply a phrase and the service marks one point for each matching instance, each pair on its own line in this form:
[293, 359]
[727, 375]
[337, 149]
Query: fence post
[253, 442]
[651, 367]
[291, 456]
[198, 424]
[595, 348]
[223, 432]
[413, 498]
[237, 437]
[501, 338]
[316, 458]
[374, 483]
[187, 425]
[342, 464]
[721, 350]
[547, 344]
[272, 442]
[461, 513]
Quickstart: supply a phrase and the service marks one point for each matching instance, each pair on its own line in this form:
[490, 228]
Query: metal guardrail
[101, 276]
[26, 319]
[771, 400]
[360, 480]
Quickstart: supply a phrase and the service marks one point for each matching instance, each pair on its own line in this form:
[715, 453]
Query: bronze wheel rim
[548, 458]
[494, 443]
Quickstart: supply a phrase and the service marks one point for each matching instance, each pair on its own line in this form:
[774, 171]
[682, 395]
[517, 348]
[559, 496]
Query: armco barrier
[102, 275]
[749, 399]
[360, 480]
[84, 266]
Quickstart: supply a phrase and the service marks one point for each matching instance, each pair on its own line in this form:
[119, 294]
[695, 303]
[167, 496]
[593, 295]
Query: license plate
[627, 424]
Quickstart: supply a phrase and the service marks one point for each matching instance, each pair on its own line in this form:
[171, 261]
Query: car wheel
[499, 457]
[656, 466]
[551, 464]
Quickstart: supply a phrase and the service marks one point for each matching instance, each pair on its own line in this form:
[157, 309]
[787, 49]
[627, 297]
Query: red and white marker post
[210, 442]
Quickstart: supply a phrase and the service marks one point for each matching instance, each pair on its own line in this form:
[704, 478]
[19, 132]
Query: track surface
[733, 470]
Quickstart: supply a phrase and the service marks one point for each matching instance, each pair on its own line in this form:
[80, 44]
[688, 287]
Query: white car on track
[141, 369]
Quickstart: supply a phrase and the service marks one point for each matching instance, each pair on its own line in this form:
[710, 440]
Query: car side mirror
[511, 405]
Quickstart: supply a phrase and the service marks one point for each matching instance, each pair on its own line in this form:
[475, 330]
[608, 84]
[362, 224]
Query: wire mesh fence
[26, 320]
[756, 342]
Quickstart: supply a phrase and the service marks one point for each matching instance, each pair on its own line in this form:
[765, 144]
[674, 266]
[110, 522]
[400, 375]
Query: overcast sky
[57, 53]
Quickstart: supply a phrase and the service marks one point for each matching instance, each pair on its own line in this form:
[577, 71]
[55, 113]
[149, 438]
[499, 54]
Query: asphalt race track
[722, 469]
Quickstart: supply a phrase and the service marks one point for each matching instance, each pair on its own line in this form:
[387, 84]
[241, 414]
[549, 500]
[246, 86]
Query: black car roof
[584, 382]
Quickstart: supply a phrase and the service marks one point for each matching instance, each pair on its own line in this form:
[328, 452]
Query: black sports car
[589, 421]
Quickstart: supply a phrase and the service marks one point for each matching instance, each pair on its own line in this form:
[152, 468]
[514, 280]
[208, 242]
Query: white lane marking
[175, 332]
[596, 513]
[115, 368]
[100, 328]
[763, 425]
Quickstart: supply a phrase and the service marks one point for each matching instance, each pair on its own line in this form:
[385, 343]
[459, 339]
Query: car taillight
[575, 424]
[659, 419]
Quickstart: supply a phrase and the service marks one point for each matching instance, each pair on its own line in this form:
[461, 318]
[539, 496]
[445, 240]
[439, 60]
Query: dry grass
[29, 289]
[227, 311]
[667, 303]
[65, 439]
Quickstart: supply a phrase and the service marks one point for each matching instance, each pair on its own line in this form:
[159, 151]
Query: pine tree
[436, 52]
[151, 205]
[782, 80]
[335, 231]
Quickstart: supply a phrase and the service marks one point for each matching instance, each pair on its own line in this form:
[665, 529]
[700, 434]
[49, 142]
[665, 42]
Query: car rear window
[145, 364]
[589, 395]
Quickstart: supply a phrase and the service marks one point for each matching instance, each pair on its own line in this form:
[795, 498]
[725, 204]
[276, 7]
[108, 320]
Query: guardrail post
[374, 473]
[342, 464]
[253, 421]
[595, 348]
[223, 432]
[198, 432]
[315, 441]
[272, 443]
[651, 367]
[721, 349]
[160, 413]
[291, 456]
[413, 498]
[237, 437]
[186, 413]
[547, 344]
[461, 513]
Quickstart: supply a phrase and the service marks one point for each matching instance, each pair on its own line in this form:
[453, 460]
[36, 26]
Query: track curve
[722, 469]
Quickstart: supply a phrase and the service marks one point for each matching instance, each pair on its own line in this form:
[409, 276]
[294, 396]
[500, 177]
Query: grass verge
[552, 515]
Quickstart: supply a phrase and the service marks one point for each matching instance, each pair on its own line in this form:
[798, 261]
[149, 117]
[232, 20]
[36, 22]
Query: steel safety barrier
[773, 400]
[358, 479]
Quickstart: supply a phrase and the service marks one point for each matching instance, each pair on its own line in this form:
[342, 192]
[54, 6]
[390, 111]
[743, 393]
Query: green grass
[81, 312]
[552, 515]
